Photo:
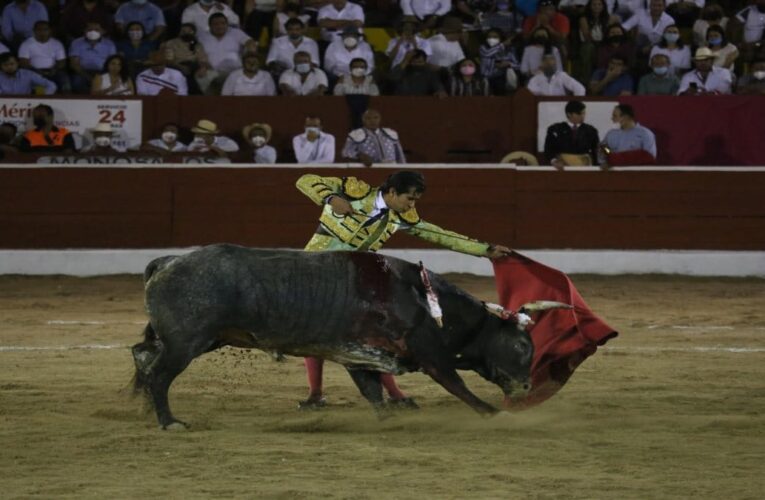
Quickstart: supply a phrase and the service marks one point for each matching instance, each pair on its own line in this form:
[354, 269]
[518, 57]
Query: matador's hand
[340, 205]
[497, 251]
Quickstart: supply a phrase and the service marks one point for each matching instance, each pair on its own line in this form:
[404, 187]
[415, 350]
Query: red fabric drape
[563, 338]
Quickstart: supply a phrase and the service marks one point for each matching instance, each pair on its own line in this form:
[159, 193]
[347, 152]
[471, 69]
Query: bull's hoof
[403, 404]
[312, 404]
[175, 425]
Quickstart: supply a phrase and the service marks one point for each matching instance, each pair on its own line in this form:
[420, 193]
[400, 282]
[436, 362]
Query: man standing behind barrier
[372, 144]
[358, 217]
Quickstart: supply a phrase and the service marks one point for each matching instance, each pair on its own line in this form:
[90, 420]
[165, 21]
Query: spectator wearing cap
[160, 79]
[250, 79]
[649, 25]
[103, 141]
[168, 141]
[257, 135]
[572, 137]
[78, 13]
[45, 55]
[291, 11]
[551, 81]
[343, 50]
[465, 80]
[539, 44]
[135, 48]
[445, 46]
[144, 12]
[498, 62]
[614, 81]
[304, 78]
[44, 136]
[281, 54]
[372, 143]
[706, 78]
[314, 145]
[753, 83]
[188, 56]
[19, 18]
[19, 81]
[115, 80]
[406, 41]
[87, 56]
[672, 46]
[428, 12]
[337, 15]
[661, 80]
[224, 45]
[630, 136]
[725, 52]
[208, 139]
[358, 81]
[200, 12]
[414, 77]
[547, 16]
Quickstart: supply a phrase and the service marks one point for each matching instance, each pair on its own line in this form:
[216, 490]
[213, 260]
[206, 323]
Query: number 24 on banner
[108, 116]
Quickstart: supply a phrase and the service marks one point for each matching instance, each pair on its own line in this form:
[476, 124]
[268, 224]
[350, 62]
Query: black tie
[383, 212]
[574, 129]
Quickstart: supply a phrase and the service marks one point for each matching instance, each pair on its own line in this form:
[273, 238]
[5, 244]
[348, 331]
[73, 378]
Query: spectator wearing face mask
[551, 81]
[281, 54]
[136, 48]
[78, 13]
[672, 46]
[314, 145]
[465, 80]
[498, 62]
[188, 56]
[45, 136]
[338, 15]
[103, 141]
[614, 81]
[725, 52]
[144, 12]
[532, 53]
[753, 83]
[208, 139]
[445, 46]
[342, 51]
[357, 82]
[199, 14]
[660, 81]
[706, 78]
[712, 14]
[257, 135]
[616, 43]
[87, 56]
[304, 78]
[250, 80]
[291, 11]
[168, 141]
[414, 77]
[427, 12]
[407, 40]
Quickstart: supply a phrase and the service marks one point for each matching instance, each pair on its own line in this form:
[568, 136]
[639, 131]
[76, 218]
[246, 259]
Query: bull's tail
[145, 356]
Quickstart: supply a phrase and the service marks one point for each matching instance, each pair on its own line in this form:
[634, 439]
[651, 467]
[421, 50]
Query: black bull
[365, 311]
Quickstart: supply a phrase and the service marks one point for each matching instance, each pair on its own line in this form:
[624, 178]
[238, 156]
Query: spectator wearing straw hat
[208, 139]
[706, 78]
[103, 138]
[160, 79]
[258, 135]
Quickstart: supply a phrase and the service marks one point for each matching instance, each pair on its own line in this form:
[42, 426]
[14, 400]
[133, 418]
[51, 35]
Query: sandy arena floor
[674, 407]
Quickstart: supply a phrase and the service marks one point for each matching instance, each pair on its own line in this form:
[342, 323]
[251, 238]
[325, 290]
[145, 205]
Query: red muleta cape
[563, 338]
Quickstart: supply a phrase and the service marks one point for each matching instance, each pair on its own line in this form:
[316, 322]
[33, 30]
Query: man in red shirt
[548, 17]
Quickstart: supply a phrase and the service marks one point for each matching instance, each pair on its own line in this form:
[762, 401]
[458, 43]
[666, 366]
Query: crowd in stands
[407, 47]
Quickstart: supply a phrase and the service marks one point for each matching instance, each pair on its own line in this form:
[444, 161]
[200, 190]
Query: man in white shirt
[304, 79]
[159, 78]
[407, 40]
[338, 15]
[314, 146]
[446, 46]
[553, 82]
[45, 55]
[199, 14]
[224, 45]
[753, 20]
[249, 80]
[706, 78]
[282, 52]
[650, 24]
[342, 51]
[426, 11]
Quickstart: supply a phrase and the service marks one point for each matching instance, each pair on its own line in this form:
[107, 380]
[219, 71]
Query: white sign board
[81, 115]
[598, 114]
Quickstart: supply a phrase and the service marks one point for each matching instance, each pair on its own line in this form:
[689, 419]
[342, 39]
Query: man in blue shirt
[614, 81]
[15, 81]
[19, 18]
[148, 14]
[629, 137]
[87, 56]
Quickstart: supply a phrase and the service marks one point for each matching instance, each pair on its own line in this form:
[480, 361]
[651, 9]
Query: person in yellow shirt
[359, 217]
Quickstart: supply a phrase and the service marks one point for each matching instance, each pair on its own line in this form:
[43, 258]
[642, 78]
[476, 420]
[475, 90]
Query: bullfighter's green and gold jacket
[337, 232]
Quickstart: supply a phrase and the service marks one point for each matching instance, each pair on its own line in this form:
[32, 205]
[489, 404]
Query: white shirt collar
[380, 202]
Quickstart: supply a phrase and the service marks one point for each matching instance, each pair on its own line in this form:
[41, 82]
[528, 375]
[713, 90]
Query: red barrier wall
[147, 208]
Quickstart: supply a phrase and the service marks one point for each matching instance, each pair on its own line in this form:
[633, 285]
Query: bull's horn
[544, 305]
[497, 310]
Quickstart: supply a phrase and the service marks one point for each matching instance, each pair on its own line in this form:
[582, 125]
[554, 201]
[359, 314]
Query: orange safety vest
[36, 138]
